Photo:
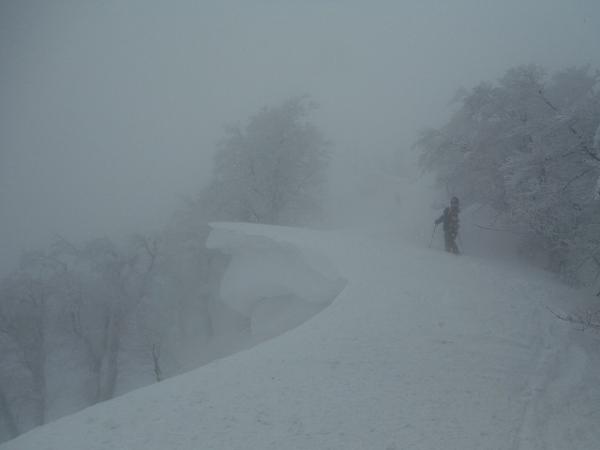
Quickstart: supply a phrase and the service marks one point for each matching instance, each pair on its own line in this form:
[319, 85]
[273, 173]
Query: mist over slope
[127, 127]
[419, 350]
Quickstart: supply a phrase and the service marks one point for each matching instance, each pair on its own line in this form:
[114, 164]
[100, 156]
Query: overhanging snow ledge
[275, 277]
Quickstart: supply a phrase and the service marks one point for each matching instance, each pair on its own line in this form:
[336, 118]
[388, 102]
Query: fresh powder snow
[393, 346]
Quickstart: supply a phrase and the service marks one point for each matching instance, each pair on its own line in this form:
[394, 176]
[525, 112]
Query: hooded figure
[450, 220]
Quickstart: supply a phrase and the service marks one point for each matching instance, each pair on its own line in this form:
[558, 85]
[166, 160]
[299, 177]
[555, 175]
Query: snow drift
[271, 281]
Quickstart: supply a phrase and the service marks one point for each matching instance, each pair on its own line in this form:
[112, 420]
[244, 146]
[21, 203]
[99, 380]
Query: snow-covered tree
[271, 171]
[525, 147]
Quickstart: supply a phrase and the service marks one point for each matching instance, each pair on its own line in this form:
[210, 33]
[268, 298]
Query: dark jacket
[450, 220]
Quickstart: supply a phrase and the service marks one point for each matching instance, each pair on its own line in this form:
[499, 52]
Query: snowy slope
[419, 350]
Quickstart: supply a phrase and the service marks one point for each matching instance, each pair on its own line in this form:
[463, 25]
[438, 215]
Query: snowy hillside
[407, 348]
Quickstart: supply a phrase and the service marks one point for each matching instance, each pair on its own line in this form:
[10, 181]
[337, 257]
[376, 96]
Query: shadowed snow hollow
[275, 284]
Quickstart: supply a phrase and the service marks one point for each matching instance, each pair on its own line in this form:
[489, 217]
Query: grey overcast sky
[109, 110]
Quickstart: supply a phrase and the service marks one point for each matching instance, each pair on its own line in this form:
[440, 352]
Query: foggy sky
[110, 110]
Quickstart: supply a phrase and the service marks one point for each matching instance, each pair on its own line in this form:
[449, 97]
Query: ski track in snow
[421, 350]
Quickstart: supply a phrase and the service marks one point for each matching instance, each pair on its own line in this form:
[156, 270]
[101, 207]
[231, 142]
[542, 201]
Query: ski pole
[432, 235]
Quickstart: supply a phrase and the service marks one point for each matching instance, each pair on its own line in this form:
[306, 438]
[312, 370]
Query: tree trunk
[156, 361]
[39, 385]
[8, 416]
[105, 367]
[111, 366]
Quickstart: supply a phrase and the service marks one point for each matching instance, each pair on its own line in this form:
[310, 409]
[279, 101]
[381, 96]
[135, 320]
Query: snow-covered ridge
[272, 278]
[420, 350]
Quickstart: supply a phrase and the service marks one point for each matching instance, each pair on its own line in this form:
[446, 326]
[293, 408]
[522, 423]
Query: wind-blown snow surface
[420, 350]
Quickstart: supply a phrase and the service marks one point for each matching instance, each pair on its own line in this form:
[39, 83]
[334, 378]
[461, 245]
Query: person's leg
[454, 247]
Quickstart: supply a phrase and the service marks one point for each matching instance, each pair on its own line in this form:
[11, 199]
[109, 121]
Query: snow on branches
[528, 146]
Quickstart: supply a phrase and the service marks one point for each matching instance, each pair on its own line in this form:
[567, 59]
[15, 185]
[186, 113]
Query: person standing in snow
[449, 219]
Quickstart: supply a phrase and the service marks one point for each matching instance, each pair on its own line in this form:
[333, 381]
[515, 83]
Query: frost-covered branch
[588, 319]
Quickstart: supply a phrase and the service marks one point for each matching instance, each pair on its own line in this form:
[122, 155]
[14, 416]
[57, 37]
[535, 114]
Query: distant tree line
[528, 147]
[80, 323]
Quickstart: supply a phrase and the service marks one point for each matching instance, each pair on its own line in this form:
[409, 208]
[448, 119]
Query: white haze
[110, 111]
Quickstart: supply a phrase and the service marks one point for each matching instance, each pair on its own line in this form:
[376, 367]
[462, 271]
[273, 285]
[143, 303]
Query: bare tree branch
[503, 230]
[572, 180]
[588, 320]
[582, 145]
